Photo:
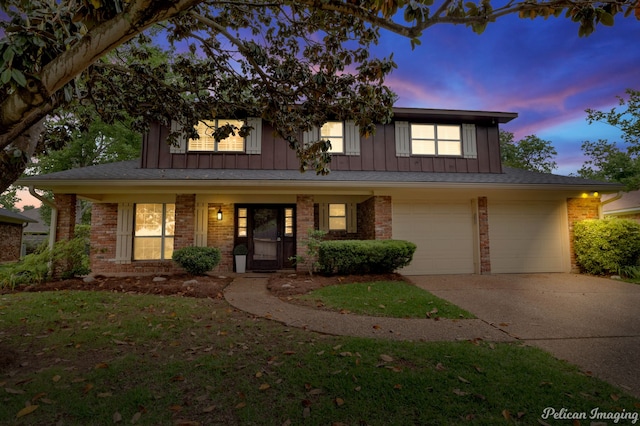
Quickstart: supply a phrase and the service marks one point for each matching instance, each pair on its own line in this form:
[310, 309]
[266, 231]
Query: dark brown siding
[377, 152]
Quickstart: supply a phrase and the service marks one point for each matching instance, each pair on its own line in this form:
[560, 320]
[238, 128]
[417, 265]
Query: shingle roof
[8, 216]
[131, 171]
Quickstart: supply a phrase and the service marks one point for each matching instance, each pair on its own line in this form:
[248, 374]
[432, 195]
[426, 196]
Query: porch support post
[65, 226]
[483, 235]
[304, 223]
[382, 217]
[580, 209]
[185, 221]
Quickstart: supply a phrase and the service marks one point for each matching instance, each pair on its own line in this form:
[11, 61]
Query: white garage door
[443, 233]
[528, 237]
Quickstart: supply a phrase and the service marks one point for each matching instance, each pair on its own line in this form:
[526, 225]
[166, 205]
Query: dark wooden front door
[270, 236]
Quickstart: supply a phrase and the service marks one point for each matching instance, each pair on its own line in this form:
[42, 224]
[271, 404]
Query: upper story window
[334, 132]
[206, 142]
[436, 139]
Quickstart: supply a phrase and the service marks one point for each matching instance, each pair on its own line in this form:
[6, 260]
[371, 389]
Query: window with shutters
[207, 142]
[153, 232]
[436, 139]
[333, 131]
[337, 217]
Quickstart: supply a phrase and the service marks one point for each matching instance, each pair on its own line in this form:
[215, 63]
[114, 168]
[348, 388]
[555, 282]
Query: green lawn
[96, 358]
[386, 299]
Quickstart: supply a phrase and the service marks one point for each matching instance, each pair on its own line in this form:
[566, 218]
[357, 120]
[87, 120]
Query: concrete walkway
[590, 322]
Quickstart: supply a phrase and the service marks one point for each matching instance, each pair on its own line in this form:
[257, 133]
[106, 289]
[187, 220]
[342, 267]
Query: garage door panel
[443, 234]
[527, 237]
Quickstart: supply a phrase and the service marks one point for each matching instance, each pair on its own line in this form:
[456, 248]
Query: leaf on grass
[320, 353]
[38, 396]
[14, 391]
[357, 388]
[102, 365]
[264, 386]
[177, 378]
[615, 397]
[104, 395]
[136, 417]
[26, 410]
[386, 358]
[287, 422]
[543, 423]
[241, 405]
[397, 386]
[460, 392]
[506, 414]
[381, 306]
[339, 402]
[346, 354]
[209, 409]
[117, 417]
[87, 388]
[440, 367]
[463, 380]
[289, 352]
[315, 392]
[306, 412]
[176, 408]
[259, 374]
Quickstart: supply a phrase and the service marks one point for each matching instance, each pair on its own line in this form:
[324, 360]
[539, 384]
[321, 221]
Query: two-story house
[433, 177]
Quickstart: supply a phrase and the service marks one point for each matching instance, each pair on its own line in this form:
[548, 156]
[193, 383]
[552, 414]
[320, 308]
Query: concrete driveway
[591, 322]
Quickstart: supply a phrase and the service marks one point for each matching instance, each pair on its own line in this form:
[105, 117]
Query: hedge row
[364, 256]
[606, 246]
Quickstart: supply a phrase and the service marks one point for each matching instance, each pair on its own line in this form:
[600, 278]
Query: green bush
[364, 256]
[197, 260]
[70, 259]
[606, 246]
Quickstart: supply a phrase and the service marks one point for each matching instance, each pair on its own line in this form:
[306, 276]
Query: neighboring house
[431, 176]
[36, 232]
[11, 226]
[623, 206]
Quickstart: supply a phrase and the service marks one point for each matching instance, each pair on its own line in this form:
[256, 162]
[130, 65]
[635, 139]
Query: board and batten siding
[377, 152]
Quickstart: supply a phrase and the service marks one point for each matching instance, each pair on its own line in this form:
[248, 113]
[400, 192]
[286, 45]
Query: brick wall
[483, 234]
[10, 242]
[104, 222]
[304, 222]
[66, 225]
[376, 218]
[580, 209]
[185, 221]
[220, 234]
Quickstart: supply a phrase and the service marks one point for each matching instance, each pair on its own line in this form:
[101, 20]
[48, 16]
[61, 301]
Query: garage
[528, 237]
[443, 233]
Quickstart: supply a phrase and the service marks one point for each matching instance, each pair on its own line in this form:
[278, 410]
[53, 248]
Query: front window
[334, 132]
[154, 231]
[436, 139]
[206, 141]
[337, 217]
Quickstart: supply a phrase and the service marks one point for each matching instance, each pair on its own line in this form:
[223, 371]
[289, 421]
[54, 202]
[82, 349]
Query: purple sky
[540, 69]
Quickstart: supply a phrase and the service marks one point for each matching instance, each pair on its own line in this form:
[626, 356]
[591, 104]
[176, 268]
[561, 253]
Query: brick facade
[483, 235]
[220, 234]
[185, 221]
[304, 223]
[375, 218]
[10, 242]
[66, 204]
[580, 209]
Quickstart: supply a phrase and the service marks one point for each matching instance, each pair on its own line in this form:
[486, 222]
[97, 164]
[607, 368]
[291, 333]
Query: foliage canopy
[294, 63]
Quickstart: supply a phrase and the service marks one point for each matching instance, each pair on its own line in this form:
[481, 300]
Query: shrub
[364, 257]
[240, 250]
[312, 243]
[606, 246]
[197, 260]
[70, 259]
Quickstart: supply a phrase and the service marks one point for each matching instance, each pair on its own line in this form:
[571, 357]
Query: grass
[386, 299]
[95, 358]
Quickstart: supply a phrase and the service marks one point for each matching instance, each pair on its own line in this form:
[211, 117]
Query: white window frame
[200, 145]
[436, 139]
[164, 236]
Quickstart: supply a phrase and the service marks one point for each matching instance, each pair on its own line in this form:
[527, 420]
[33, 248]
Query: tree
[607, 160]
[530, 153]
[293, 63]
[9, 199]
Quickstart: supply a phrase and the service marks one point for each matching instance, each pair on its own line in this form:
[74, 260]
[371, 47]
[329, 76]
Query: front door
[270, 236]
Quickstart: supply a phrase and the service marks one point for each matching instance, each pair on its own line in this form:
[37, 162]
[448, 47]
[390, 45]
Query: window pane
[337, 223]
[242, 232]
[170, 219]
[146, 248]
[232, 143]
[331, 128]
[423, 131]
[148, 220]
[449, 148]
[242, 222]
[337, 210]
[206, 141]
[423, 147]
[242, 212]
[449, 132]
[168, 247]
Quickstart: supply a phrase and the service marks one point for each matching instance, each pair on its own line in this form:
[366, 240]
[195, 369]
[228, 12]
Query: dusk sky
[538, 68]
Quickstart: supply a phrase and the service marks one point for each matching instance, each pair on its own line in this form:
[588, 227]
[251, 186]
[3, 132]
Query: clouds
[540, 69]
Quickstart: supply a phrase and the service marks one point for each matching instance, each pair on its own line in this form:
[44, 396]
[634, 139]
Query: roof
[7, 216]
[467, 115]
[127, 173]
[37, 226]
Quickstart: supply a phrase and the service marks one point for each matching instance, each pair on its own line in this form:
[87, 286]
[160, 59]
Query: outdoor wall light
[220, 213]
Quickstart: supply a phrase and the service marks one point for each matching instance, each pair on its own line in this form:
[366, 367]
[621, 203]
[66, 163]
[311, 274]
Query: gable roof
[128, 173]
[7, 216]
[37, 226]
